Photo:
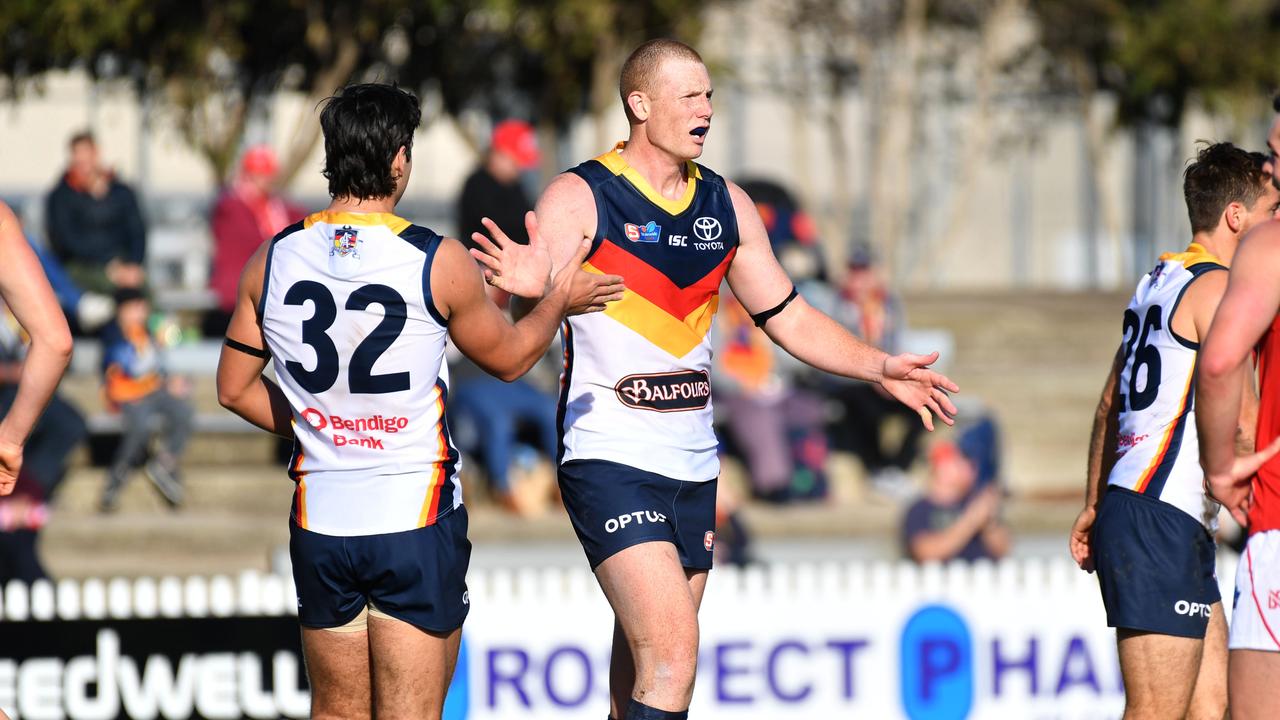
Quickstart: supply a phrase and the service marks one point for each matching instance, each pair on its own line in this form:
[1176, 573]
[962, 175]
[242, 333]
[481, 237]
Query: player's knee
[673, 661]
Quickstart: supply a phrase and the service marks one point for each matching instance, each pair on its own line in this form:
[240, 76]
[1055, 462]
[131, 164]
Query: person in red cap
[493, 190]
[488, 412]
[245, 214]
[954, 518]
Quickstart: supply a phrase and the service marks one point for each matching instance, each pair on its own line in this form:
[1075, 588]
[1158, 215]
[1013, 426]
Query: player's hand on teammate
[586, 291]
[522, 270]
[909, 380]
[1079, 542]
[526, 271]
[10, 464]
[1235, 491]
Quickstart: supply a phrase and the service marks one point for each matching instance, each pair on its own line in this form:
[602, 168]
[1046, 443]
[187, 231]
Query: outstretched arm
[242, 388]
[1249, 306]
[761, 285]
[26, 290]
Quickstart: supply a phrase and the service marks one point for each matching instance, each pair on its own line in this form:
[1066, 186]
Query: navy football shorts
[614, 506]
[418, 576]
[1155, 565]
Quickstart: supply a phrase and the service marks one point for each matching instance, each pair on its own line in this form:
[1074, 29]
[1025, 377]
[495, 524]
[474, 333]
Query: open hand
[522, 270]
[587, 291]
[10, 464]
[909, 380]
[1235, 491]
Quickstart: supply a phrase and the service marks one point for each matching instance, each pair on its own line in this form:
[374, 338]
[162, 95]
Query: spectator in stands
[775, 427]
[148, 400]
[58, 431]
[868, 308]
[95, 225]
[493, 189]
[245, 215]
[489, 414]
[956, 518]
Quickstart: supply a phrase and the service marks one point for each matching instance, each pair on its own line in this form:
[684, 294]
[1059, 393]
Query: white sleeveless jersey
[636, 388]
[358, 347]
[1157, 447]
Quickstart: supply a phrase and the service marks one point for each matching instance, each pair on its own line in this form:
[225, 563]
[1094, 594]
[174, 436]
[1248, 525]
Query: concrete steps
[1038, 363]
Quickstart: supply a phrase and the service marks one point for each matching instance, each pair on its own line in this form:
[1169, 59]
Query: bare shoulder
[9, 227]
[1202, 297]
[566, 214]
[455, 275]
[567, 193]
[452, 258]
[741, 200]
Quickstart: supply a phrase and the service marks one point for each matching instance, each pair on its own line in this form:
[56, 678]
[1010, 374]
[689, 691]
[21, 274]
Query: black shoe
[166, 481]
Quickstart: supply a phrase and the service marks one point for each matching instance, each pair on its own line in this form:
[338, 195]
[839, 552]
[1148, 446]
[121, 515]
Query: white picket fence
[252, 593]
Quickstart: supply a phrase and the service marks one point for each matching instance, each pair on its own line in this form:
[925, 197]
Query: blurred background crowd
[983, 177]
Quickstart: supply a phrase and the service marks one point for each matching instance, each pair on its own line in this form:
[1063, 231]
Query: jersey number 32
[315, 334]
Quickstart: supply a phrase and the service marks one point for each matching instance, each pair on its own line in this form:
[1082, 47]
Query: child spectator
[147, 399]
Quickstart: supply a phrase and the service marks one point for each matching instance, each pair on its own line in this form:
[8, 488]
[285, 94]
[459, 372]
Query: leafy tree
[214, 61]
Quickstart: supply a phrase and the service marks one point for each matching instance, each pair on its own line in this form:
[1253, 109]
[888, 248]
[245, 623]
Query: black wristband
[248, 349]
[761, 318]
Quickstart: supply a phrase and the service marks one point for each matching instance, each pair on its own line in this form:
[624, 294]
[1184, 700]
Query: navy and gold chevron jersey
[358, 346]
[1157, 447]
[636, 387]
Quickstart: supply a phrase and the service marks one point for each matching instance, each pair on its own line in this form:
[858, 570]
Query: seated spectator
[486, 418]
[490, 417]
[775, 427]
[246, 214]
[956, 518]
[868, 308]
[95, 225]
[148, 400]
[60, 428]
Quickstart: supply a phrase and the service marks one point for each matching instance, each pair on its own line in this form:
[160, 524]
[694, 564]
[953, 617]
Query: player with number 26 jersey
[1156, 448]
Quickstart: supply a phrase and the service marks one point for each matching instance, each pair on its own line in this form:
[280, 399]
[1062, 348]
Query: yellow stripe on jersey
[396, 223]
[430, 504]
[1195, 254]
[618, 166]
[674, 335]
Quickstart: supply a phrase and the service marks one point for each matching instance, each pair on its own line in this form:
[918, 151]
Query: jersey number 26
[1143, 355]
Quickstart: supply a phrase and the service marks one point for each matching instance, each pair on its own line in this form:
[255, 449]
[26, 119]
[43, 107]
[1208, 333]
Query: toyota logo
[706, 228]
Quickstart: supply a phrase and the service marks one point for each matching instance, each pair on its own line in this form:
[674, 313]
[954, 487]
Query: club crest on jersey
[346, 242]
[647, 233]
[1157, 275]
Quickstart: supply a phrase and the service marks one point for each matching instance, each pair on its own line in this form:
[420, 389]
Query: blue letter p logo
[937, 665]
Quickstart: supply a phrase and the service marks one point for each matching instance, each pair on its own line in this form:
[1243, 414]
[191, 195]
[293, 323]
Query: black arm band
[248, 349]
[761, 318]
